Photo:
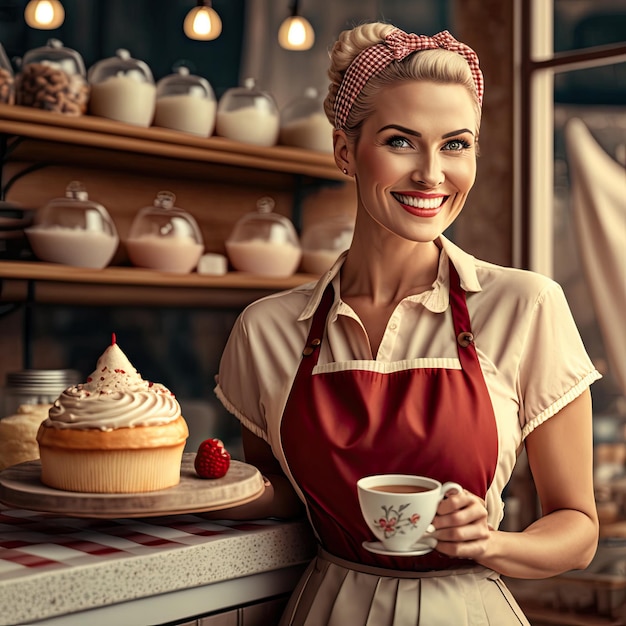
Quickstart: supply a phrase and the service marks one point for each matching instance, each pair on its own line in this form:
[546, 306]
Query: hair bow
[397, 45]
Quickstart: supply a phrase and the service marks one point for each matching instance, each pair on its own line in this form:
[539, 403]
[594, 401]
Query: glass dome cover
[182, 82]
[247, 95]
[52, 78]
[75, 210]
[165, 237]
[264, 243]
[163, 219]
[324, 241]
[74, 230]
[185, 102]
[264, 225]
[249, 115]
[55, 54]
[122, 64]
[303, 123]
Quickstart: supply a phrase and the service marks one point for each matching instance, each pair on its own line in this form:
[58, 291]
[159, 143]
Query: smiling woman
[410, 356]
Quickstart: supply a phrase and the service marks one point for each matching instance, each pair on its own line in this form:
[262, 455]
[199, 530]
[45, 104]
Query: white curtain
[598, 197]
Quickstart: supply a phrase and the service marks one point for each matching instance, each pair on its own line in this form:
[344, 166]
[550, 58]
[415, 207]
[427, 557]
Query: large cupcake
[116, 433]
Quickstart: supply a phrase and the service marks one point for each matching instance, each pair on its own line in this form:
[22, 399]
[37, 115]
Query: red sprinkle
[101, 377]
[113, 339]
[89, 379]
[118, 371]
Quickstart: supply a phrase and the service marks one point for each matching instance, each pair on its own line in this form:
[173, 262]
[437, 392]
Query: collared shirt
[529, 348]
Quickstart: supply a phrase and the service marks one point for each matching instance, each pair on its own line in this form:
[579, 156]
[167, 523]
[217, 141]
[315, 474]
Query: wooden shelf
[203, 165]
[40, 282]
[48, 132]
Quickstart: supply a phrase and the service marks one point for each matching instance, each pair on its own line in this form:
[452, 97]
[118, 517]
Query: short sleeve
[238, 382]
[555, 367]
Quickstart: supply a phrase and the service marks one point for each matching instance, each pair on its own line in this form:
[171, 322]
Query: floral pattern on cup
[394, 521]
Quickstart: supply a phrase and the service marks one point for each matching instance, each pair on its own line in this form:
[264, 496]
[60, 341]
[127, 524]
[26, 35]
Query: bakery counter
[154, 570]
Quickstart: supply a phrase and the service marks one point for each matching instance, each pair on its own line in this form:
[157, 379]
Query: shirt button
[393, 326]
[464, 339]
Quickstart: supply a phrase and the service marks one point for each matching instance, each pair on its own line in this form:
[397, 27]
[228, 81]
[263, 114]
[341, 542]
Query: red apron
[340, 426]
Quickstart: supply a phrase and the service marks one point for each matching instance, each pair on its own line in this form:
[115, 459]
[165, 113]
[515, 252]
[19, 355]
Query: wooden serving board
[21, 487]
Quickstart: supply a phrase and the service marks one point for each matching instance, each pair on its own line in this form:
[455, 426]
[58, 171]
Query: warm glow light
[202, 23]
[296, 33]
[44, 14]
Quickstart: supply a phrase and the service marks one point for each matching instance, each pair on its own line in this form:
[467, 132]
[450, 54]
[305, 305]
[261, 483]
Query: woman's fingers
[462, 527]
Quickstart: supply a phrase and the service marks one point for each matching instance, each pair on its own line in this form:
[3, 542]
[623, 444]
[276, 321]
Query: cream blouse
[529, 348]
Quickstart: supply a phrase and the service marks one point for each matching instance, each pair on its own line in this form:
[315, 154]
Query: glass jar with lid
[122, 89]
[7, 79]
[304, 124]
[53, 78]
[185, 102]
[74, 230]
[249, 115]
[164, 237]
[25, 401]
[324, 241]
[264, 243]
[35, 387]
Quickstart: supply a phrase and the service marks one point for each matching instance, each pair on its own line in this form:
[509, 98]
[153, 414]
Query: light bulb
[44, 14]
[202, 23]
[296, 33]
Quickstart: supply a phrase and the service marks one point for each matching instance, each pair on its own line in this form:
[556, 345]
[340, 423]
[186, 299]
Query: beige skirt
[335, 592]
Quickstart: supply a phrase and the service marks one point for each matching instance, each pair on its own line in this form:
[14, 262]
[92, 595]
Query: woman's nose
[428, 171]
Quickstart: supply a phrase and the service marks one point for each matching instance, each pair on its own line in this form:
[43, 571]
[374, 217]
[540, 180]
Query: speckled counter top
[54, 566]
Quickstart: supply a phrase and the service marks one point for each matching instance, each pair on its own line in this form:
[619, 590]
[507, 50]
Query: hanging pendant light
[296, 32]
[202, 22]
[44, 14]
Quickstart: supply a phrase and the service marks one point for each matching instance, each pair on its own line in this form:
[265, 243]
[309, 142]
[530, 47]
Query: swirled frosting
[114, 396]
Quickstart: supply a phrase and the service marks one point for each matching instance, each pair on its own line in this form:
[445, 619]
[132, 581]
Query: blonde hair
[439, 65]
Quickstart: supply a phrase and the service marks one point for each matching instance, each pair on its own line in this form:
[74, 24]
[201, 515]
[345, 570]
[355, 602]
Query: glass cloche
[248, 115]
[304, 124]
[7, 79]
[164, 237]
[53, 78]
[74, 230]
[185, 102]
[264, 243]
[122, 89]
[324, 241]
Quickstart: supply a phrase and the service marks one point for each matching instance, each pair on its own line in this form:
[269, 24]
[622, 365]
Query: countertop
[178, 565]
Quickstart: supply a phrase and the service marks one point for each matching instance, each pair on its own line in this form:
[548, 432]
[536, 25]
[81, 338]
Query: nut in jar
[7, 86]
[53, 78]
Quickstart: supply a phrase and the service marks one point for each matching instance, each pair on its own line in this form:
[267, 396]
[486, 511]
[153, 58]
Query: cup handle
[448, 487]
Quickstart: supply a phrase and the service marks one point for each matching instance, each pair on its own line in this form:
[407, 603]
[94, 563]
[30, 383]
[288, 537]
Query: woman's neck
[385, 268]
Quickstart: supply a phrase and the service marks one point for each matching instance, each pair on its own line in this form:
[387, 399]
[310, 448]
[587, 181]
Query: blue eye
[456, 145]
[398, 142]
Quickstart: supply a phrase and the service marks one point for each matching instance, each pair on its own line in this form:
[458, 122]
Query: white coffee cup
[399, 508]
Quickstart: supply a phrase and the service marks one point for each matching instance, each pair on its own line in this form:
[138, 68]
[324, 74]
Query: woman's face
[415, 160]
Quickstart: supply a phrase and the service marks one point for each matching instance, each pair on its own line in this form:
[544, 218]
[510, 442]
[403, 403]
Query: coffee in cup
[399, 508]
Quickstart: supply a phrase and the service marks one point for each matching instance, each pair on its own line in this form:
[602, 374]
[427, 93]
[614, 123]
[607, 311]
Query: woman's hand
[461, 526]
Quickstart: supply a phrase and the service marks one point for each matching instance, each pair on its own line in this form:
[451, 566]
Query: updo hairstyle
[440, 66]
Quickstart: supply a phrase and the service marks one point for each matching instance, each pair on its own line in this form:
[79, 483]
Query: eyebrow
[408, 131]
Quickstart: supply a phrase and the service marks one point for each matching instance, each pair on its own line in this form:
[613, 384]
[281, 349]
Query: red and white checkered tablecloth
[51, 565]
[31, 540]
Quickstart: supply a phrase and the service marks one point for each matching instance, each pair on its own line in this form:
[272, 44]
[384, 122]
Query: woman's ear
[342, 152]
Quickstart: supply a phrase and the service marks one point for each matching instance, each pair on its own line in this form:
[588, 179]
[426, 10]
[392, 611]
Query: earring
[345, 171]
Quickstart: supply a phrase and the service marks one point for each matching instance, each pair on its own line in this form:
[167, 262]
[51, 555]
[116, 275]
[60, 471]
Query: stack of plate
[13, 221]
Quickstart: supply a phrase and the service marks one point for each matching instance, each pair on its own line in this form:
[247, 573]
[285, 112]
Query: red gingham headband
[396, 46]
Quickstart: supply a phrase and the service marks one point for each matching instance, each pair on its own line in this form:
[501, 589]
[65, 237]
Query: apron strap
[462, 326]
[460, 317]
[311, 350]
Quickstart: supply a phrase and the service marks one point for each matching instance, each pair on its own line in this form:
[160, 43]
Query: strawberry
[212, 459]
